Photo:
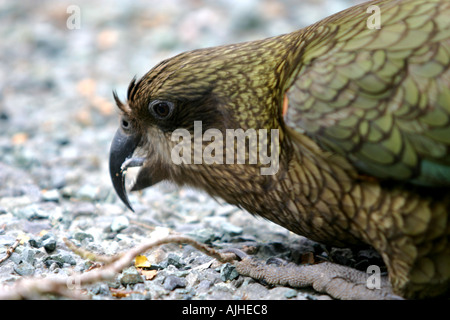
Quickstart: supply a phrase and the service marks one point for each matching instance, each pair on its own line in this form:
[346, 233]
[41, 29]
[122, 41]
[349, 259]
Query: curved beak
[120, 158]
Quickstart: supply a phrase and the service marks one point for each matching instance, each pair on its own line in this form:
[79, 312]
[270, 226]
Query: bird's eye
[126, 125]
[161, 109]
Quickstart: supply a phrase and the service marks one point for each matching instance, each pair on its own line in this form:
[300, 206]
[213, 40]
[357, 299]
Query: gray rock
[35, 243]
[130, 276]
[175, 260]
[228, 272]
[49, 244]
[205, 235]
[100, 289]
[292, 293]
[28, 255]
[24, 269]
[31, 212]
[119, 223]
[204, 285]
[172, 282]
[15, 257]
[68, 258]
[83, 236]
[87, 192]
[51, 195]
[56, 259]
[231, 229]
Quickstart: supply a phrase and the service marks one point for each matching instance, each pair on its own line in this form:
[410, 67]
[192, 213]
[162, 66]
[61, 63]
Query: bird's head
[229, 87]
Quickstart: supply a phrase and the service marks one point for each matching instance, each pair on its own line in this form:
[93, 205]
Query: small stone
[56, 259]
[206, 235]
[88, 193]
[49, 244]
[31, 212]
[292, 293]
[28, 255]
[100, 289]
[174, 260]
[228, 272]
[171, 282]
[81, 236]
[119, 223]
[24, 269]
[15, 257]
[35, 243]
[204, 285]
[50, 195]
[67, 258]
[231, 229]
[130, 276]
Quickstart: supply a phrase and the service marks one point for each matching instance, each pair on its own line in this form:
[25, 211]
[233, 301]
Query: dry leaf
[148, 274]
[142, 262]
[119, 293]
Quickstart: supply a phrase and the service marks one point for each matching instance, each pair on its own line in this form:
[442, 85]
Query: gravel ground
[57, 120]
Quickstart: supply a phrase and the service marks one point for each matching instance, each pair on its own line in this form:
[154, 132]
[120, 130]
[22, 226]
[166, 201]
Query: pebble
[228, 272]
[35, 243]
[171, 282]
[31, 212]
[119, 223]
[99, 289]
[292, 293]
[231, 229]
[55, 259]
[49, 243]
[83, 236]
[50, 195]
[130, 276]
[204, 285]
[87, 193]
[28, 255]
[175, 260]
[24, 269]
[15, 257]
[204, 235]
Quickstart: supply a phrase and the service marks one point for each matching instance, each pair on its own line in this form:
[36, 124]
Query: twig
[142, 224]
[67, 286]
[10, 250]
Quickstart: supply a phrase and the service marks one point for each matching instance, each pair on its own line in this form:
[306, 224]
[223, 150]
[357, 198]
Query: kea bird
[355, 117]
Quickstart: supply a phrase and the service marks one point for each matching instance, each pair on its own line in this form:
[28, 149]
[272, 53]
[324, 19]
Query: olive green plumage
[364, 120]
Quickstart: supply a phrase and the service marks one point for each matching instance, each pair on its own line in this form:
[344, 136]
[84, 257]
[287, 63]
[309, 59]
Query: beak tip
[121, 148]
[130, 207]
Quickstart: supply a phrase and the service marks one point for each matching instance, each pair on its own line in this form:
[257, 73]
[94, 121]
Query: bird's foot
[338, 281]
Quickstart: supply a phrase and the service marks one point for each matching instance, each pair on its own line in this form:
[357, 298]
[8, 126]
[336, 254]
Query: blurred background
[59, 62]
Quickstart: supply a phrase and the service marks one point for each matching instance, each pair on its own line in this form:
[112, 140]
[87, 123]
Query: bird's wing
[379, 97]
